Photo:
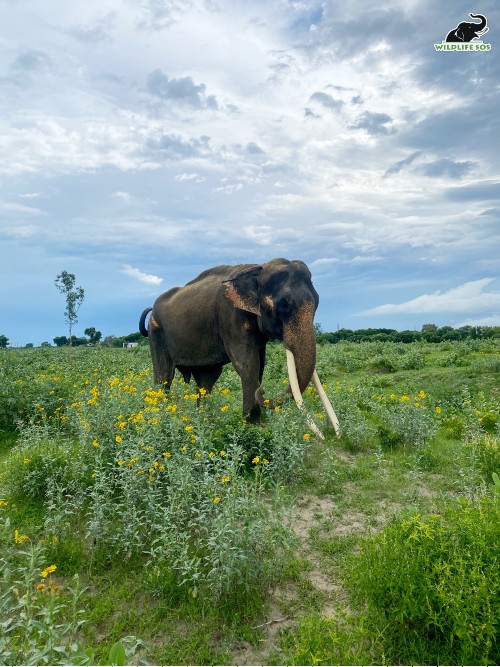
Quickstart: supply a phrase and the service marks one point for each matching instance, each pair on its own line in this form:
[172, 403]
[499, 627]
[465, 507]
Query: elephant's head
[282, 296]
[467, 31]
[480, 28]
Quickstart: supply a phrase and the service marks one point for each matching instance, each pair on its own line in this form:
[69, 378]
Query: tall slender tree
[65, 283]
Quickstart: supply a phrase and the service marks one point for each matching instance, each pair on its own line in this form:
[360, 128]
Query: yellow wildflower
[422, 394]
[189, 428]
[19, 539]
[216, 499]
[405, 398]
[256, 459]
[212, 454]
[95, 442]
[222, 453]
[306, 436]
[26, 460]
[120, 462]
[224, 408]
[3, 503]
[224, 479]
[438, 410]
[118, 438]
[48, 570]
[40, 588]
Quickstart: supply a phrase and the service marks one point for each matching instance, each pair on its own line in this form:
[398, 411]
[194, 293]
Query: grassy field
[129, 517]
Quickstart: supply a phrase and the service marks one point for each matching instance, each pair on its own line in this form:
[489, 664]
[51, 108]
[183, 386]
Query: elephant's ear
[243, 289]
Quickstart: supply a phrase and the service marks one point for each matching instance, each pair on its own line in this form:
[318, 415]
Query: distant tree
[134, 337]
[65, 283]
[29, 346]
[77, 341]
[318, 329]
[60, 341]
[4, 341]
[95, 336]
[45, 344]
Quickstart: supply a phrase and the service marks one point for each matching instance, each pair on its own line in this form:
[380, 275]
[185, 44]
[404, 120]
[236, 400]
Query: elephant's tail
[142, 321]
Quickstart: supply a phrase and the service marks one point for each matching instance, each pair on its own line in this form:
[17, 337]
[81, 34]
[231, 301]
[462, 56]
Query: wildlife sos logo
[466, 36]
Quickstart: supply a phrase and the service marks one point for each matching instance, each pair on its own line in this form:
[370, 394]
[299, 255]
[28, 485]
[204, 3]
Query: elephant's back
[218, 273]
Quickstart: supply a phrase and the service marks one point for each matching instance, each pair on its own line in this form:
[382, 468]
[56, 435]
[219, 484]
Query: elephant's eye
[284, 307]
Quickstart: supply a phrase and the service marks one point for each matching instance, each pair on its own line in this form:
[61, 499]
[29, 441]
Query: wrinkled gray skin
[227, 315]
[467, 31]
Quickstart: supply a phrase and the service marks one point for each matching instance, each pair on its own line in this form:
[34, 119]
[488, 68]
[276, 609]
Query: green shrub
[487, 450]
[318, 640]
[40, 461]
[432, 585]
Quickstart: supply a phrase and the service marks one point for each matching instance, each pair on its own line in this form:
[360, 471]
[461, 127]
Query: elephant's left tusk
[326, 403]
[294, 384]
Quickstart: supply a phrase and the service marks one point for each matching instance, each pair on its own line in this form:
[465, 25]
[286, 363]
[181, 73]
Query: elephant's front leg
[247, 365]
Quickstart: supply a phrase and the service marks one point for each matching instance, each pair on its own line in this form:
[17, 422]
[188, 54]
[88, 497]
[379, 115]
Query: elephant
[227, 315]
[466, 32]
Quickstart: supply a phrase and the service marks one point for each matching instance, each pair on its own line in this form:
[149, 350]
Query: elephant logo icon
[468, 30]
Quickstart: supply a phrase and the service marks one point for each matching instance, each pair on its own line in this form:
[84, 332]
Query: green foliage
[487, 453]
[174, 502]
[40, 618]
[432, 585]
[40, 462]
[318, 640]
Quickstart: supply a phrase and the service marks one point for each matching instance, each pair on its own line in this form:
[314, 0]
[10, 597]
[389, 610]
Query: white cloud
[13, 207]
[189, 177]
[259, 234]
[21, 231]
[490, 321]
[142, 277]
[324, 261]
[467, 298]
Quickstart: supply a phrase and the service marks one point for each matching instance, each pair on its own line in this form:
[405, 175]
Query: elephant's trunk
[300, 343]
[300, 340]
[482, 25]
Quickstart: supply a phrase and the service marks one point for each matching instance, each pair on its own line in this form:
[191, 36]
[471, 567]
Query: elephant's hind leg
[163, 366]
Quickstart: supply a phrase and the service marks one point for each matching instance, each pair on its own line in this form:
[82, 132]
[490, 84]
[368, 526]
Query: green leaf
[117, 654]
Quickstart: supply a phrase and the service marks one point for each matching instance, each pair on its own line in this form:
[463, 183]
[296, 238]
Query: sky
[144, 141]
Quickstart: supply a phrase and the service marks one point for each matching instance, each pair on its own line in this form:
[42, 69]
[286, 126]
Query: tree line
[429, 333]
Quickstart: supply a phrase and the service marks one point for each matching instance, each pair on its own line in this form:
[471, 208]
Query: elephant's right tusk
[294, 385]
[326, 403]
